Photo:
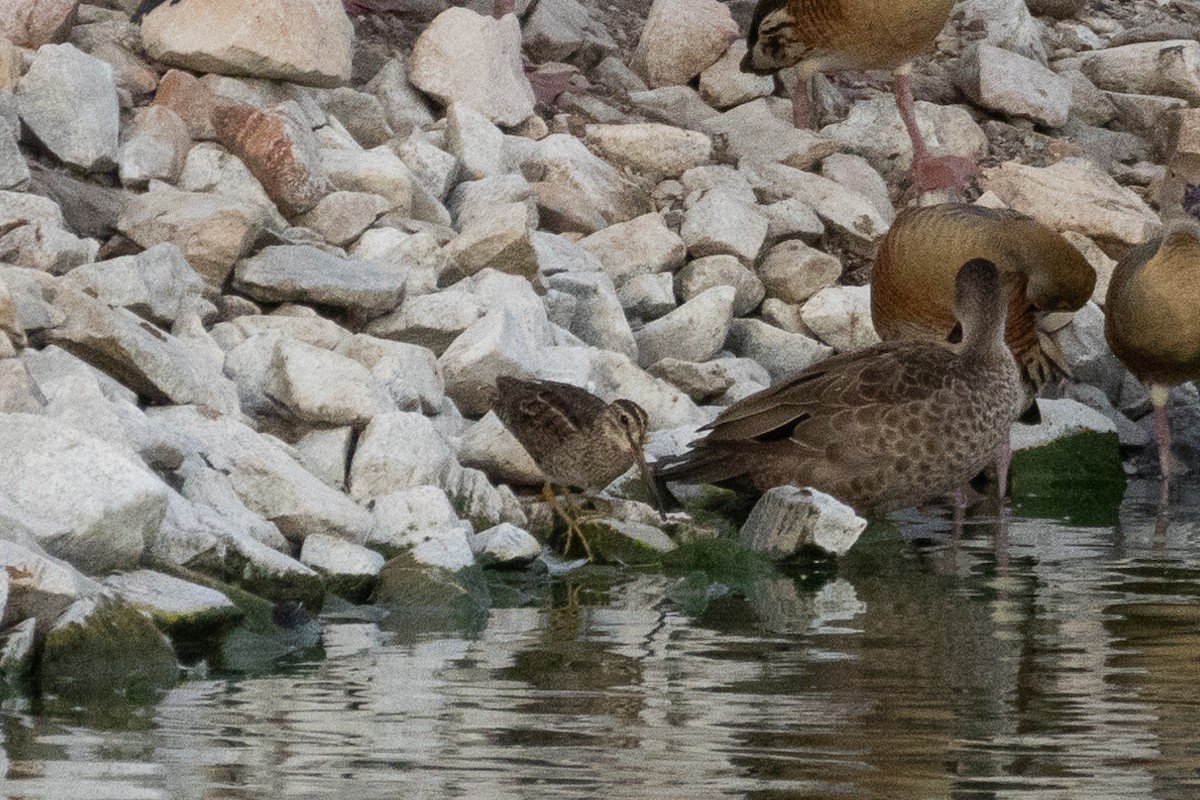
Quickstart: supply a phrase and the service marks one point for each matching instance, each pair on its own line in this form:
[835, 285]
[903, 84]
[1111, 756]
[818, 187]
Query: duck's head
[770, 43]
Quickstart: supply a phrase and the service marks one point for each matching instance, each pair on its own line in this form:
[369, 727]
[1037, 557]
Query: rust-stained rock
[33, 24]
[282, 154]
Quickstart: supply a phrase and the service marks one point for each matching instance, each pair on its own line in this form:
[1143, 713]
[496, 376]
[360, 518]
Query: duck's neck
[985, 332]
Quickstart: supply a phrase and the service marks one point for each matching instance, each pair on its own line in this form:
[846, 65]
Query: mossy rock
[18, 649]
[1077, 478]
[103, 647]
[623, 541]
[305, 588]
[422, 597]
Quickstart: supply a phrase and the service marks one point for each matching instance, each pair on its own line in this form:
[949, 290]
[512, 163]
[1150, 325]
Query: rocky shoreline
[258, 277]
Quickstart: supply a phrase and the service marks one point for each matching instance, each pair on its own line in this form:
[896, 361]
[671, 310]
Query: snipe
[835, 35]
[886, 427]
[576, 439]
[1152, 315]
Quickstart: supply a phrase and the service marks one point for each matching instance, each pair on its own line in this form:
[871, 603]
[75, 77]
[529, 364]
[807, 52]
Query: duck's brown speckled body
[887, 427]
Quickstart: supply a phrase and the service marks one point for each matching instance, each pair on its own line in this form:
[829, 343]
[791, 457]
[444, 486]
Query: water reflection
[1031, 660]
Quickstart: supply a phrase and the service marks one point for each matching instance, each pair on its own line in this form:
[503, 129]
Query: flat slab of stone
[302, 41]
[306, 274]
[171, 600]
[69, 100]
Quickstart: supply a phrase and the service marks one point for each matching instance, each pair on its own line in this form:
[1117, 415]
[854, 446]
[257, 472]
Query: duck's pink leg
[928, 172]
[802, 101]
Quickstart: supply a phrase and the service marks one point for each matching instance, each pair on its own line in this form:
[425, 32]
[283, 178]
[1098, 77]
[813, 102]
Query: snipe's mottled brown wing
[546, 411]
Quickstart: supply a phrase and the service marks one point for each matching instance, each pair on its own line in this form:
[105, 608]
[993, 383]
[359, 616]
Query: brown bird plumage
[1152, 315]
[576, 439]
[835, 35]
[912, 281]
[886, 427]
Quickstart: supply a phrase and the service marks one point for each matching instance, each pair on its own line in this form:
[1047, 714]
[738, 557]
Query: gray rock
[1088, 103]
[648, 297]
[475, 60]
[598, 317]
[375, 171]
[155, 147]
[695, 331]
[1074, 194]
[502, 240]
[1060, 419]
[787, 518]
[18, 392]
[212, 232]
[408, 373]
[566, 32]
[1170, 68]
[475, 201]
[579, 191]
[874, 129]
[793, 272]
[479, 502]
[268, 480]
[557, 254]
[325, 452]
[720, 222]
[305, 274]
[681, 38]
[721, 270]
[792, 218]
[782, 353]
[403, 105]
[171, 601]
[840, 316]
[753, 134]
[640, 246]
[701, 382]
[322, 387]
[69, 100]
[341, 217]
[1009, 26]
[505, 545]
[338, 558]
[153, 363]
[212, 169]
[34, 235]
[277, 45]
[363, 115]
[681, 106]
[498, 344]
[103, 506]
[489, 446]
[157, 283]
[849, 212]
[13, 169]
[650, 147]
[1004, 81]
[40, 586]
[612, 375]
[397, 451]
[724, 85]
[475, 142]
[1087, 354]
[435, 168]
[857, 174]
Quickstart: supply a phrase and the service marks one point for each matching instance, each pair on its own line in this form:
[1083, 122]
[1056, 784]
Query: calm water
[1040, 661]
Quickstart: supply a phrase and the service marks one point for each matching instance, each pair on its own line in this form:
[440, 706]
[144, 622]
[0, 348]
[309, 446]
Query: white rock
[874, 129]
[722, 223]
[1009, 26]
[1074, 194]
[398, 451]
[1060, 419]
[407, 516]
[845, 209]
[306, 274]
[155, 147]
[857, 174]
[212, 169]
[650, 147]
[376, 171]
[501, 240]
[301, 41]
[1170, 68]
[266, 478]
[156, 283]
[325, 452]
[430, 320]
[724, 84]
[782, 353]
[597, 317]
[681, 38]
[495, 345]
[402, 104]
[505, 544]
[721, 270]
[648, 296]
[333, 556]
[40, 587]
[435, 168]
[475, 60]
[1004, 81]
[787, 518]
[695, 331]
[170, 597]
[322, 387]
[104, 506]
[1087, 353]
[478, 501]
[408, 372]
[474, 141]
[557, 254]
[793, 272]
[489, 446]
[681, 106]
[791, 217]
[753, 134]
[341, 217]
[579, 191]
[69, 100]
[640, 246]
[840, 316]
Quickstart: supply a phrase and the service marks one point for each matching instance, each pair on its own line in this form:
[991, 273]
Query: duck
[575, 438]
[818, 36]
[891, 426]
[912, 278]
[1152, 314]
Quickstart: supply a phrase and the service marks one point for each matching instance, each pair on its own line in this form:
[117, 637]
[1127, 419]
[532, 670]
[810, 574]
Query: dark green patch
[423, 598]
[1077, 479]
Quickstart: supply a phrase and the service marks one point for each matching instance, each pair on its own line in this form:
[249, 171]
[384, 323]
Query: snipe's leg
[928, 172]
[571, 519]
[1003, 460]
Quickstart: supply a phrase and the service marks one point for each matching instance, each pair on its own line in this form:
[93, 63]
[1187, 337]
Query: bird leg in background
[928, 172]
[1162, 432]
[571, 519]
[802, 99]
